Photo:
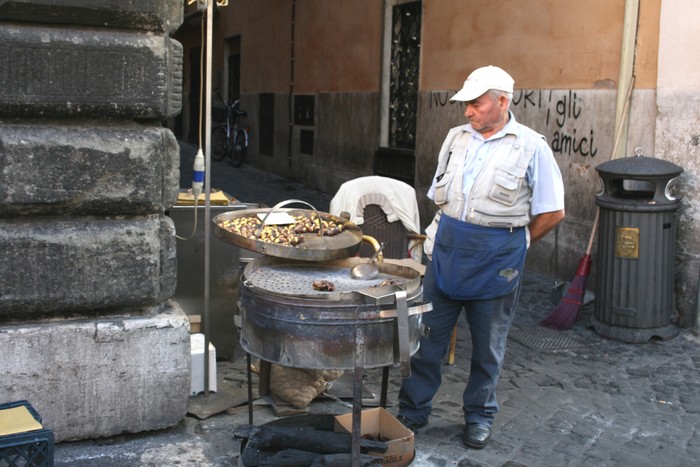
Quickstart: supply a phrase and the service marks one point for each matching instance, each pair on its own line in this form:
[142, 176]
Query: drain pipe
[291, 85]
[626, 77]
[696, 328]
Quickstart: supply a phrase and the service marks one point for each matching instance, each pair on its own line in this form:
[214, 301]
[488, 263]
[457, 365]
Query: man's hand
[543, 223]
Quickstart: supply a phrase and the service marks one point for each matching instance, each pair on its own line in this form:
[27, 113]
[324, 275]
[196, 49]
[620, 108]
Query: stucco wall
[335, 44]
[677, 136]
[545, 44]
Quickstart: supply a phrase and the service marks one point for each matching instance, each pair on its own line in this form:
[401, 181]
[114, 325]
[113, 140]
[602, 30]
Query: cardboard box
[195, 323]
[197, 356]
[379, 424]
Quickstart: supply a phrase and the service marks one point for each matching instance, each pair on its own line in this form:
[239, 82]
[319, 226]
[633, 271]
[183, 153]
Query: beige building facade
[337, 89]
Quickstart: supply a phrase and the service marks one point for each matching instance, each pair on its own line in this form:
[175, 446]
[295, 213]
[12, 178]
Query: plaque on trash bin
[627, 242]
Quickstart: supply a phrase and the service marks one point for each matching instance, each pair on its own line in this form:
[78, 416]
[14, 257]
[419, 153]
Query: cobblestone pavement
[570, 398]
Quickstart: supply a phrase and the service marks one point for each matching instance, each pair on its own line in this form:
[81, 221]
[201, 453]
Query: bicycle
[230, 139]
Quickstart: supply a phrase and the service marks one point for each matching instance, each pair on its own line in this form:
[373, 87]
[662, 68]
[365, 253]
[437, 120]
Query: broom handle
[625, 109]
[593, 231]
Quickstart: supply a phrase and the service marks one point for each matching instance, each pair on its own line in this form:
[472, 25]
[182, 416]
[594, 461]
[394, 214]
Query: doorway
[395, 157]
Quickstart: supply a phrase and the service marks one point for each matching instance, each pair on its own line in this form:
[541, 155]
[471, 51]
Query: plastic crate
[28, 449]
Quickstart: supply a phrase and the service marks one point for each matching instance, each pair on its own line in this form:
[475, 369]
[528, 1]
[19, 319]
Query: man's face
[487, 114]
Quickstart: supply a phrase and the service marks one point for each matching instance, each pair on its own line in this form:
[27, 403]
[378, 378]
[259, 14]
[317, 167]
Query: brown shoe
[477, 435]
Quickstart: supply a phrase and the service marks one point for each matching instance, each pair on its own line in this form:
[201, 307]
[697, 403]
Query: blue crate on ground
[27, 449]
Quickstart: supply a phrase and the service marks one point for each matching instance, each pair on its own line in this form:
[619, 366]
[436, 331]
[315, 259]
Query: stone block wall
[87, 172]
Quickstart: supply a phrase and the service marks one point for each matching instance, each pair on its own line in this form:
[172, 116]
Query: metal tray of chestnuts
[300, 234]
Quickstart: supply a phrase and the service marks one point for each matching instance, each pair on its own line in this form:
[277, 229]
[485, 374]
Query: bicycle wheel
[219, 143]
[239, 149]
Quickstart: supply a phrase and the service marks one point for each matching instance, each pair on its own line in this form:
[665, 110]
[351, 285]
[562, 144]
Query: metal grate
[403, 93]
[297, 280]
[540, 338]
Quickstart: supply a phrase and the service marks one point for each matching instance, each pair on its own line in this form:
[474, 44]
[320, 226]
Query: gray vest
[500, 196]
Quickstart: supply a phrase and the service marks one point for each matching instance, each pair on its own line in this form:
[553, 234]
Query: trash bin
[636, 249]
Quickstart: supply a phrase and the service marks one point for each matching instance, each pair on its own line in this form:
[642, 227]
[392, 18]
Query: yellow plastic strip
[17, 420]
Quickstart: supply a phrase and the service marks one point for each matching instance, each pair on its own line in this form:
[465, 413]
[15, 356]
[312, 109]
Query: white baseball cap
[483, 79]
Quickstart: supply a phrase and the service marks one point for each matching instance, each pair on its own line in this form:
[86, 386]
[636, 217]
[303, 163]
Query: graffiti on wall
[563, 115]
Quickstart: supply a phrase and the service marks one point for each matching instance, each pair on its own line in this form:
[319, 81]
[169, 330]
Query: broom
[567, 311]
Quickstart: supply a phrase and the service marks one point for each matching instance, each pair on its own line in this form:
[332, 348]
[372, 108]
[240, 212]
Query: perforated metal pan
[293, 280]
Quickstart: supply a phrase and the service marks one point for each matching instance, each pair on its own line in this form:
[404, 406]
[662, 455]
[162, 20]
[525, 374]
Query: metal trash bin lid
[639, 167]
[638, 182]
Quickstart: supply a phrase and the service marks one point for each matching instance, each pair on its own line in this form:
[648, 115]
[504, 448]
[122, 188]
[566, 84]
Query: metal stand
[359, 359]
[250, 388]
[356, 393]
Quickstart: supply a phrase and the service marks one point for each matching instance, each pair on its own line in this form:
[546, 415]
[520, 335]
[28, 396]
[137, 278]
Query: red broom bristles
[566, 312]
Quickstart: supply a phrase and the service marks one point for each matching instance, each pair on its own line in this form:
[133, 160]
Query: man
[497, 189]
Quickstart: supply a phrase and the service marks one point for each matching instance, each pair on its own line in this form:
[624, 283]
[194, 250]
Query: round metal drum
[287, 321]
[313, 247]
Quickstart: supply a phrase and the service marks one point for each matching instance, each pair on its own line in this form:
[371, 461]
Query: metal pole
[207, 189]
[290, 136]
[357, 395]
[250, 388]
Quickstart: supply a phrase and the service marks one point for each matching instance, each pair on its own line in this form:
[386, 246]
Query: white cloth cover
[396, 198]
